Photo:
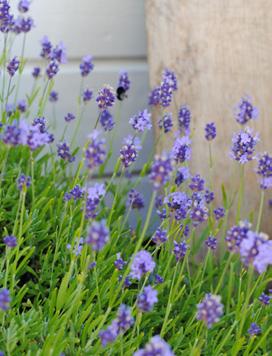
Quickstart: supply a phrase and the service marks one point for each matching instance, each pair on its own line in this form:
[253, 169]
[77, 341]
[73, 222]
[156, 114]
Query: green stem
[241, 193]
[260, 211]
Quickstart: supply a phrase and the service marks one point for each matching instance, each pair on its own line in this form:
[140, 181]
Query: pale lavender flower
[23, 6]
[46, 48]
[86, 66]
[155, 347]
[254, 329]
[106, 120]
[124, 81]
[59, 53]
[182, 175]
[243, 145]
[53, 96]
[98, 235]
[264, 258]
[135, 199]
[184, 120]
[160, 236]
[79, 244]
[52, 69]
[219, 213]
[245, 111]
[210, 131]
[210, 309]
[236, 234]
[129, 151]
[181, 150]
[87, 95]
[147, 299]
[95, 152]
[154, 97]
[142, 263]
[265, 299]
[22, 106]
[161, 170]
[64, 152]
[166, 122]
[250, 248]
[211, 242]
[180, 249]
[106, 97]
[141, 121]
[13, 66]
[23, 182]
[264, 170]
[197, 183]
[119, 263]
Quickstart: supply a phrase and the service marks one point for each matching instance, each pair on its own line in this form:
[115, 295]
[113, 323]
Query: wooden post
[220, 50]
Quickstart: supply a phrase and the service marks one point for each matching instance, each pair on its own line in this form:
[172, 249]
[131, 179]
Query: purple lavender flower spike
[5, 17]
[160, 236]
[52, 69]
[166, 122]
[142, 263]
[46, 48]
[156, 346]
[10, 241]
[211, 242]
[108, 335]
[86, 66]
[36, 72]
[264, 170]
[184, 120]
[59, 53]
[23, 182]
[129, 151]
[154, 97]
[13, 66]
[161, 171]
[135, 199]
[94, 196]
[250, 248]
[166, 93]
[22, 25]
[197, 183]
[4, 299]
[171, 78]
[243, 145]
[210, 309]
[141, 121]
[265, 298]
[158, 279]
[210, 131]
[181, 150]
[180, 250]
[219, 213]
[147, 299]
[98, 235]
[106, 97]
[64, 152]
[264, 258]
[254, 329]
[87, 95]
[95, 153]
[236, 234]
[23, 6]
[69, 117]
[245, 111]
[182, 175]
[106, 120]
[209, 196]
[53, 96]
[119, 263]
[22, 106]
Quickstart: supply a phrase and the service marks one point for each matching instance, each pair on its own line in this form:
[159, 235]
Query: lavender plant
[82, 272]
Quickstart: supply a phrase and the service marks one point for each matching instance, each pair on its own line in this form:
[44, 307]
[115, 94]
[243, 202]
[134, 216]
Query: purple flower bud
[210, 131]
[106, 120]
[22, 106]
[129, 151]
[265, 299]
[180, 250]
[13, 66]
[23, 6]
[119, 263]
[211, 242]
[245, 111]
[197, 183]
[243, 145]
[69, 117]
[135, 199]
[184, 120]
[254, 329]
[64, 152]
[264, 170]
[124, 81]
[160, 236]
[86, 66]
[46, 48]
[36, 72]
[52, 69]
[166, 122]
[106, 97]
[161, 171]
[23, 182]
[219, 213]
[95, 153]
[141, 121]
[236, 234]
[87, 95]
[154, 97]
[181, 150]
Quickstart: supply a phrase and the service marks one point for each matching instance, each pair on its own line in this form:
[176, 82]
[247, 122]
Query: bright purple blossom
[13, 66]
[59, 53]
[124, 81]
[10, 241]
[64, 152]
[86, 66]
[119, 263]
[158, 279]
[53, 96]
[23, 6]
[135, 199]
[197, 183]
[182, 175]
[250, 248]
[69, 117]
[160, 236]
[184, 120]
[254, 329]
[106, 97]
[236, 234]
[180, 249]
[23, 182]
[52, 69]
[166, 93]
[154, 97]
[129, 151]
[147, 299]
[243, 145]
[5, 17]
[46, 48]
[142, 263]
[171, 79]
[155, 347]
[245, 111]
[22, 106]
[75, 193]
[166, 122]
[141, 121]
[106, 120]
[210, 131]
[4, 299]
[265, 298]
[210, 309]
[211, 242]
[264, 170]
[264, 257]
[87, 95]
[36, 72]
[95, 152]
[161, 170]
[219, 213]
[95, 194]
[181, 150]
[98, 235]
[208, 196]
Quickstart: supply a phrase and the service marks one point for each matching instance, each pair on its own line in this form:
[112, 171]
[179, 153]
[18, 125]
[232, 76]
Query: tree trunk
[221, 51]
